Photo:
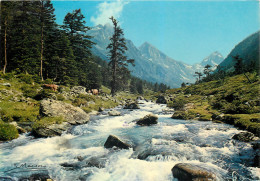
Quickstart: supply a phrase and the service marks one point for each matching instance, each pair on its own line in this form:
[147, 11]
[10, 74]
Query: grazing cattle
[51, 86]
[94, 91]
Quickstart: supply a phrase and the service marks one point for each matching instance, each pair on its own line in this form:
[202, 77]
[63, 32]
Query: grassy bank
[20, 97]
[233, 100]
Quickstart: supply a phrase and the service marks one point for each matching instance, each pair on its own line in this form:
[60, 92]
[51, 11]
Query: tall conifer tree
[118, 61]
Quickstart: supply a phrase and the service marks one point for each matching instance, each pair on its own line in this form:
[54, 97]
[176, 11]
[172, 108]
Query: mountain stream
[79, 154]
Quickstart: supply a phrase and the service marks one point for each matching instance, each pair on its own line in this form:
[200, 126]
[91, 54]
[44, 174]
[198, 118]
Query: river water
[80, 155]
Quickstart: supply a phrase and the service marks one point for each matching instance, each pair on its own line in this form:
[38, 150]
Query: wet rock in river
[148, 120]
[245, 137]
[132, 105]
[100, 109]
[161, 100]
[115, 141]
[114, 113]
[37, 176]
[96, 162]
[71, 166]
[187, 172]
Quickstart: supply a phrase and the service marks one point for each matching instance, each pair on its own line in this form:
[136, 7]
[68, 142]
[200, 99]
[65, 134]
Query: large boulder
[161, 100]
[114, 113]
[72, 114]
[245, 137]
[78, 90]
[148, 120]
[51, 130]
[115, 141]
[187, 171]
[132, 105]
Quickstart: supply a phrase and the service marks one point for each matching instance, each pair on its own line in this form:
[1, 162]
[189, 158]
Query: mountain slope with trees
[248, 50]
[153, 65]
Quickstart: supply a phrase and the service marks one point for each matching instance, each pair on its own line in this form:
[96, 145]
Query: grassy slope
[20, 103]
[235, 97]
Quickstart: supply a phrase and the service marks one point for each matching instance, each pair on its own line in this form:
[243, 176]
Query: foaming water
[80, 154]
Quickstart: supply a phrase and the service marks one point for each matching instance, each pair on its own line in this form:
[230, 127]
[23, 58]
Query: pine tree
[25, 43]
[48, 26]
[133, 86]
[74, 26]
[207, 70]
[139, 87]
[7, 15]
[118, 61]
[238, 64]
[199, 74]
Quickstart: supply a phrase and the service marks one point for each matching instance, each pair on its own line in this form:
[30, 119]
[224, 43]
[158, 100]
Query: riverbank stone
[245, 137]
[72, 114]
[112, 141]
[51, 130]
[148, 120]
[191, 172]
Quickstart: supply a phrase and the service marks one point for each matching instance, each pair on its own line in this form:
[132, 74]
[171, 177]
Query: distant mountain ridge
[150, 63]
[247, 49]
[214, 59]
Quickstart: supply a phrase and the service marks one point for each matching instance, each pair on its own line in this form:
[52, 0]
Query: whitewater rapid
[156, 149]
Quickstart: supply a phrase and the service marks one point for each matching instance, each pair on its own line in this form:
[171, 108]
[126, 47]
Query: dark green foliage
[199, 74]
[238, 64]
[118, 61]
[26, 78]
[75, 29]
[207, 70]
[8, 132]
[37, 49]
[30, 91]
[44, 93]
[177, 104]
[248, 50]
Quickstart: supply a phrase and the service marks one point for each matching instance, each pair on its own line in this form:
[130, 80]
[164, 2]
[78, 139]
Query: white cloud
[106, 10]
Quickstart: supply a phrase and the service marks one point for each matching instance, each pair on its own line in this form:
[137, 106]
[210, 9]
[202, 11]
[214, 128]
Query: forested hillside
[33, 43]
[248, 50]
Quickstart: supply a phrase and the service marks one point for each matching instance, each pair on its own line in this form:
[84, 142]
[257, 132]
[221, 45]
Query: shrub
[18, 111]
[48, 81]
[26, 78]
[44, 93]
[177, 104]
[8, 132]
[182, 115]
[46, 121]
[29, 91]
[7, 76]
[60, 97]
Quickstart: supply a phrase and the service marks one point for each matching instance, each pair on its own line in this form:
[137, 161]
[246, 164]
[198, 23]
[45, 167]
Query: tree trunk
[41, 53]
[113, 86]
[5, 47]
[247, 78]
[42, 7]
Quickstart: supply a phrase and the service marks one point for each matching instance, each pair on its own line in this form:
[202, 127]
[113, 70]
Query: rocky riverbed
[161, 149]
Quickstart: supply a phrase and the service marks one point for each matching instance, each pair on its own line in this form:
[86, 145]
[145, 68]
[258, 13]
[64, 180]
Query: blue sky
[186, 31]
